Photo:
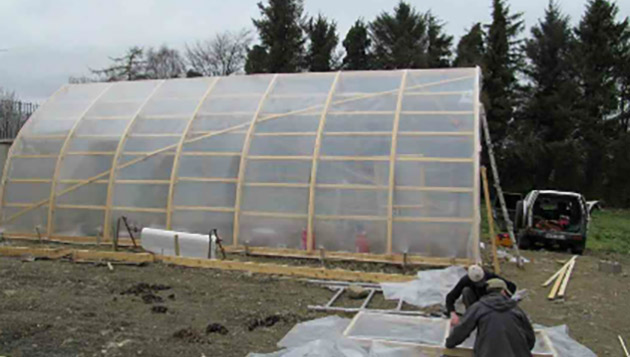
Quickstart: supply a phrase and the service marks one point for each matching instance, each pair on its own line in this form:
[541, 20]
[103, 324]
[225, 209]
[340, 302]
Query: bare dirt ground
[55, 308]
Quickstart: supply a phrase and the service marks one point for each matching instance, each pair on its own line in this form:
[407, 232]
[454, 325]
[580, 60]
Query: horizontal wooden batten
[207, 179]
[86, 207]
[44, 137]
[430, 94]
[95, 136]
[155, 135]
[31, 180]
[434, 159]
[332, 217]
[291, 133]
[210, 153]
[223, 114]
[146, 153]
[142, 182]
[139, 209]
[343, 186]
[354, 158]
[276, 184]
[274, 214]
[90, 153]
[435, 189]
[362, 112]
[435, 133]
[204, 208]
[71, 181]
[434, 219]
[279, 157]
[436, 112]
[112, 117]
[35, 156]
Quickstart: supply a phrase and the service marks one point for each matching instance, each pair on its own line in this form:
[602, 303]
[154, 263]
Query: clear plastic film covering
[381, 162]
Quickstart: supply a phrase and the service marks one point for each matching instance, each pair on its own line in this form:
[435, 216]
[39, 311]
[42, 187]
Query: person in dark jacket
[471, 287]
[503, 329]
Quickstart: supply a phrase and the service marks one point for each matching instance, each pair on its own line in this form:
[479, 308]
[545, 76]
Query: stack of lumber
[561, 278]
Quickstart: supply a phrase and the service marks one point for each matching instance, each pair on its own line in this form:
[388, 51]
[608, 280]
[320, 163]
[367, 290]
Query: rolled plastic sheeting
[162, 242]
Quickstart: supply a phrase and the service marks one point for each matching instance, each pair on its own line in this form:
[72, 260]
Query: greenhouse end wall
[382, 162]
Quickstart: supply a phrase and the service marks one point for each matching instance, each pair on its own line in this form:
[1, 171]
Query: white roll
[162, 242]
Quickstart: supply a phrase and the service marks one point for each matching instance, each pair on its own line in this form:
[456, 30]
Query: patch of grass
[609, 231]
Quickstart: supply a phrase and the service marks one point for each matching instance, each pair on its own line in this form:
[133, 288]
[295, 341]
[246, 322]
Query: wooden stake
[176, 241]
[486, 195]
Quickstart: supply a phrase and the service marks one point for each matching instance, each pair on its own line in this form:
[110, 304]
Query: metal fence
[13, 114]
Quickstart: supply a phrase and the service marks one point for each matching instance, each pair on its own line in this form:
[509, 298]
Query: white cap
[475, 273]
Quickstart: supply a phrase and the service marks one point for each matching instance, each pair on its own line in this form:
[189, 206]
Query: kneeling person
[471, 287]
[503, 329]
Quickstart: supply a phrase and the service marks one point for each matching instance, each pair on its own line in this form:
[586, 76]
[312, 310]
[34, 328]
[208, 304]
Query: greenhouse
[378, 162]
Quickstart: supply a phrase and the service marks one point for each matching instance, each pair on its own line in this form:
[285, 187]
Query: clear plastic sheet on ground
[326, 328]
[430, 288]
[564, 344]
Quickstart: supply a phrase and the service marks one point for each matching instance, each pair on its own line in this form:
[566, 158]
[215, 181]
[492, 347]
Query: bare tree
[222, 55]
[164, 63]
[81, 79]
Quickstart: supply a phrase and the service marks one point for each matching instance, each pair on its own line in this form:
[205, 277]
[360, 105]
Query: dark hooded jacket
[503, 329]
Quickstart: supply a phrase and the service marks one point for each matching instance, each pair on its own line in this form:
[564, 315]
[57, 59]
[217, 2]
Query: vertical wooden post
[314, 165]
[112, 170]
[392, 164]
[178, 153]
[241, 168]
[476, 158]
[486, 197]
[62, 154]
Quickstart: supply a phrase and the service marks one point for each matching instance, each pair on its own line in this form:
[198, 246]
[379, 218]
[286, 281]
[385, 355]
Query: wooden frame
[314, 164]
[392, 163]
[112, 172]
[249, 128]
[432, 349]
[243, 162]
[178, 153]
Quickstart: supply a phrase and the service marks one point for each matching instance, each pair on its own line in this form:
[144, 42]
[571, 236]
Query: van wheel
[518, 215]
[577, 248]
[524, 242]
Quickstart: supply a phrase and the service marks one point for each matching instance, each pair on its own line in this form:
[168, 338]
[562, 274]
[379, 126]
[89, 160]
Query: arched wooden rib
[18, 138]
[392, 163]
[316, 151]
[243, 162]
[62, 153]
[112, 171]
[178, 152]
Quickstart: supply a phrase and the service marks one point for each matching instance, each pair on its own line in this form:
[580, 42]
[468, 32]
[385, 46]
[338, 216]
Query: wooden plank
[314, 165]
[436, 133]
[358, 133]
[243, 162]
[210, 153]
[178, 153]
[290, 133]
[623, 345]
[435, 159]
[62, 152]
[565, 281]
[493, 239]
[555, 275]
[363, 112]
[91, 255]
[556, 285]
[434, 219]
[35, 156]
[208, 179]
[438, 93]
[392, 164]
[342, 186]
[353, 158]
[435, 189]
[113, 169]
[44, 137]
[286, 270]
[349, 217]
[438, 112]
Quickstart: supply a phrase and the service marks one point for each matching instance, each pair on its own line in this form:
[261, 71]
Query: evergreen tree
[357, 44]
[598, 51]
[281, 35]
[470, 49]
[502, 59]
[256, 62]
[129, 67]
[548, 116]
[553, 93]
[400, 39]
[439, 51]
[323, 39]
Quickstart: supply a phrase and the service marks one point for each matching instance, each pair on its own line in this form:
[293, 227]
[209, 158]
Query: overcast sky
[43, 42]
